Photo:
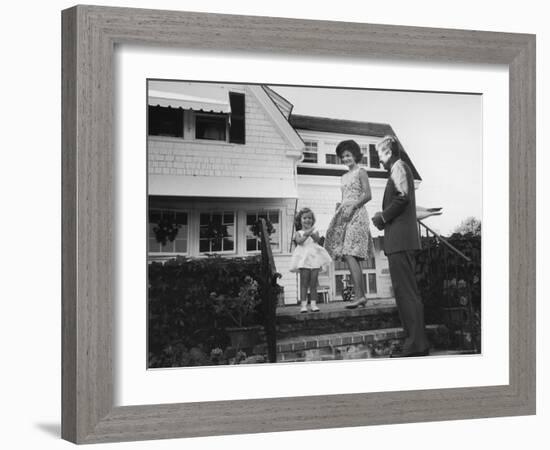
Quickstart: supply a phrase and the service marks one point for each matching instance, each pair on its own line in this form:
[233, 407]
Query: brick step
[335, 318]
[350, 345]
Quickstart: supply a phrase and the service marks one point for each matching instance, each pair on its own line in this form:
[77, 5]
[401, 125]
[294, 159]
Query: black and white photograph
[295, 223]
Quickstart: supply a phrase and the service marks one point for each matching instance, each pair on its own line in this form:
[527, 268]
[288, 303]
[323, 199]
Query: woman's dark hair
[350, 146]
[298, 218]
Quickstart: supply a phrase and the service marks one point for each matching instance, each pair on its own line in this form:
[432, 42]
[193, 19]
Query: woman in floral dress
[348, 236]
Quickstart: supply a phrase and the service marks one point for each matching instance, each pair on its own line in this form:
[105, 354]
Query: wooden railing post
[269, 292]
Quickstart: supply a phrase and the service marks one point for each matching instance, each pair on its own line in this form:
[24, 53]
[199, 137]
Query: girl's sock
[303, 309]
[314, 306]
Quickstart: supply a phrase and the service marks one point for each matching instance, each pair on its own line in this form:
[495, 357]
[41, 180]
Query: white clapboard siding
[288, 279]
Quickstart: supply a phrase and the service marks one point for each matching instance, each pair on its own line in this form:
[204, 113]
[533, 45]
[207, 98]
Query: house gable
[287, 132]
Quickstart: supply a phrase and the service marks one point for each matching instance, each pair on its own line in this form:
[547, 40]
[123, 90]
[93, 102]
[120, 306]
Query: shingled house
[224, 155]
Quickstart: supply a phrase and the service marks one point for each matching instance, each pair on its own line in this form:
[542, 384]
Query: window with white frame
[310, 152]
[330, 153]
[217, 232]
[211, 126]
[342, 276]
[372, 283]
[332, 158]
[272, 217]
[369, 280]
[365, 153]
[168, 231]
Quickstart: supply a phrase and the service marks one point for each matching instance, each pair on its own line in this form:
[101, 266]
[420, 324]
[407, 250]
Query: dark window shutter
[374, 160]
[237, 128]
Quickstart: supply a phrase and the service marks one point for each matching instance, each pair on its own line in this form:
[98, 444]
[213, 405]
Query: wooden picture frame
[89, 37]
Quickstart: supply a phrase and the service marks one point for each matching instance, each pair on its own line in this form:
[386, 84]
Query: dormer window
[211, 126]
[165, 121]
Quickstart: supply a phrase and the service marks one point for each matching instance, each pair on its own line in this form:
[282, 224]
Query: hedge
[183, 327]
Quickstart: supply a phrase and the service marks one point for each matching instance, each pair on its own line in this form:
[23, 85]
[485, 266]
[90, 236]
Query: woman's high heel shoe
[361, 302]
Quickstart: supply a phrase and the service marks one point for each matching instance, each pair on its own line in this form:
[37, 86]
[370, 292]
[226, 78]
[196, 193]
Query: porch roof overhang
[207, 98]
[222, 186]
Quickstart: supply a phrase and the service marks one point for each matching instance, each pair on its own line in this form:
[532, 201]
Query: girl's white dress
[309, 255]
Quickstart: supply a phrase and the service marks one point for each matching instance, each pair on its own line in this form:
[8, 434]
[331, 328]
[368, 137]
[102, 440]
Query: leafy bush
[451, 286]
[185, 323]
[240, 310]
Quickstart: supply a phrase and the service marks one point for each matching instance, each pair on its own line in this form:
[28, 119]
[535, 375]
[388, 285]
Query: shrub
[450, 286]
[184, 320]
[239, 310]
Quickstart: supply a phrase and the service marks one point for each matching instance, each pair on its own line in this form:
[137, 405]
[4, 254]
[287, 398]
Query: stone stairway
[348, 345]
[338, 333]
[335, 318]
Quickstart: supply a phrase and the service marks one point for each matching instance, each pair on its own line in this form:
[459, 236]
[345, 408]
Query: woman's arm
[338, 204]
[365, 187]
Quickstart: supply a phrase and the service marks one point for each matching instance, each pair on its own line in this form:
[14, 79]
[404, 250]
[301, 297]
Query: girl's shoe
[314, 307]
[361, 302]
[303, 309]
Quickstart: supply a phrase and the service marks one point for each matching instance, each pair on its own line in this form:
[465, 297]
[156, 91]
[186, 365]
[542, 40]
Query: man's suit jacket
[399, 210]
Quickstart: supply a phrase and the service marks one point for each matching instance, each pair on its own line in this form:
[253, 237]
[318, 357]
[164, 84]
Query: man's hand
[378, 221]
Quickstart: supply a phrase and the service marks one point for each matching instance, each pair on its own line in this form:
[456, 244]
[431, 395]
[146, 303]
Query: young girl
[308, 257]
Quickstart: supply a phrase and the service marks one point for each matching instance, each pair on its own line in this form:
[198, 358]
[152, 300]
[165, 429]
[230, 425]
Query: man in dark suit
[401, 241]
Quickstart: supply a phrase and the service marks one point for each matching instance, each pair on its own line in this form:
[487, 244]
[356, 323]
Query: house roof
[341, 126]
[282, 103]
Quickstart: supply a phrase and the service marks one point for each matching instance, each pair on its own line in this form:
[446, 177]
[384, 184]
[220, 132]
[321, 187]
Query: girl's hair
[350, 146]
[298, 218]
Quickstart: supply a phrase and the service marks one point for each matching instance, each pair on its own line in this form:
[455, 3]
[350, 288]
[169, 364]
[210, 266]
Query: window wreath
[216, 231]
[256, 228]
[166, 230]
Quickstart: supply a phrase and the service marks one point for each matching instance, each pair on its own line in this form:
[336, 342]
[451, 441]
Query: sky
[441, 132]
